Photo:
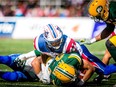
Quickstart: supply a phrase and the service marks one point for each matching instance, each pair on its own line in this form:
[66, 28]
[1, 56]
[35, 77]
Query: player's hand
[45, 80]
[45, 74]
[85, 41]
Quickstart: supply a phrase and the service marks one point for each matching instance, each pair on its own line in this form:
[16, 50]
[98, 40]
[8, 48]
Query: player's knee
[111, 42]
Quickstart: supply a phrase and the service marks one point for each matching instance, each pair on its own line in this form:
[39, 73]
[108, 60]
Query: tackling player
[53, 42]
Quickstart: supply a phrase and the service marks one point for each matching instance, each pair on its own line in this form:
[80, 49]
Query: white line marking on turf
[20, 84]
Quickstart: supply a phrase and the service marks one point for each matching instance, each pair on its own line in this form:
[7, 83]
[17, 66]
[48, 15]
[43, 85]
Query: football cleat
[106, 77]
[98, 79]
[19, 63]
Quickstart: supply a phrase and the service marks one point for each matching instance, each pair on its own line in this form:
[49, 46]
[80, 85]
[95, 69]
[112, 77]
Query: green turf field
[8, 46]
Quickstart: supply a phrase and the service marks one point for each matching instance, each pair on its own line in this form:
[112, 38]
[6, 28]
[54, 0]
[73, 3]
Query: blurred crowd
[44, 8]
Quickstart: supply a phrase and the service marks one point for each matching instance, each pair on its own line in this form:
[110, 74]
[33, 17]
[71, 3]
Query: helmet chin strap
[106, 12]
[98, 18]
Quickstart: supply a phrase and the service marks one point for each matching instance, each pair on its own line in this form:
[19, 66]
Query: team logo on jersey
[99, 9]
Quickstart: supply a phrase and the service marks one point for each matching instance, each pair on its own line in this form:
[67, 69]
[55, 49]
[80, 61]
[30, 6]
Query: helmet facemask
[106, 13]
[97, 18]
[55, 44]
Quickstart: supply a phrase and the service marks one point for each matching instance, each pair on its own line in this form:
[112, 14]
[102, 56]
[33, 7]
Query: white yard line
[22, 84]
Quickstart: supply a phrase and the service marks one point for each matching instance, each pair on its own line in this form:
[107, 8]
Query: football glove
[19, 63]
[45, 80]
[45, 74]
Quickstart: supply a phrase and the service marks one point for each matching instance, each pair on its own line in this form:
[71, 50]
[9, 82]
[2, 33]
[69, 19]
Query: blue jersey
[67, 46]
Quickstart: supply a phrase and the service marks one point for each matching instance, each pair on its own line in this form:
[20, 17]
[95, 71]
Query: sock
[12, 76]
[110, 69]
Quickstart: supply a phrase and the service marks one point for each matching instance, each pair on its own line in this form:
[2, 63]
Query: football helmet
[98, 9]
[65, 72]
[53, 36]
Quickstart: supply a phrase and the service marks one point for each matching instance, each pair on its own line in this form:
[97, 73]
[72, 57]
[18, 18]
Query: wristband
[82, 80]
[93, 40]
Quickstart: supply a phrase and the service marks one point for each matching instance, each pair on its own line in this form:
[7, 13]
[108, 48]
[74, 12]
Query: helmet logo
[99, 9]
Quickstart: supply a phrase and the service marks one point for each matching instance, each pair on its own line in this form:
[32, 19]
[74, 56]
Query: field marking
[20, 84]
[98, 52]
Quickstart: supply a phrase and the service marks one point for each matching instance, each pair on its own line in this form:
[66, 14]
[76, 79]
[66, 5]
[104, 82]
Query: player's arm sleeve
[28, 55]
[37, 53]
[107, 31]
[112, 8]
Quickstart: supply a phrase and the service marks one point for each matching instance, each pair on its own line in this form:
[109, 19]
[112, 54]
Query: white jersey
[44, 69]
[28, 67]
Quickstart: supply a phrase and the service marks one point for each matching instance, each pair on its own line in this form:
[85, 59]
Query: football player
[31, 69]
[106, 58]
[105, 11]
[65, 69]
[53, 42]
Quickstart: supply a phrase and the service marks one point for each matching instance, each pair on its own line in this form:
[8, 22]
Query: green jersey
[71, 59]
[110, 22]
[112, 13]
[37, 53]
